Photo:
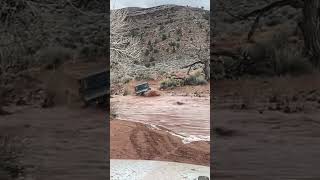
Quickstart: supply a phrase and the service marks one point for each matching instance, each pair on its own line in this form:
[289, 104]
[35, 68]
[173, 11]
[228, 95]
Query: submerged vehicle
[93, 87]
[80, 83]
[156, 170]
[142, 88]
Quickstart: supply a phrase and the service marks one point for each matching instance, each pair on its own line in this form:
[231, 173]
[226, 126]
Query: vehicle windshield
[142, 86]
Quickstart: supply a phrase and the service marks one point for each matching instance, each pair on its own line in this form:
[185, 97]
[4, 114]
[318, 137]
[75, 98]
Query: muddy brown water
[185, 115]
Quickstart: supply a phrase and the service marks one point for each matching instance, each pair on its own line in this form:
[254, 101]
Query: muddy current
[185, 116]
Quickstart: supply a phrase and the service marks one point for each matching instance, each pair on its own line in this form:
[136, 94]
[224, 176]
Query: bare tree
[200, 49]
[202, 55]
[124, 50]
[310, 26]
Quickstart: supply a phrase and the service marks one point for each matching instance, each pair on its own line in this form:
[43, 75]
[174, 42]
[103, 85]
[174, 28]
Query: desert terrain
[171, 127]
[172, 121]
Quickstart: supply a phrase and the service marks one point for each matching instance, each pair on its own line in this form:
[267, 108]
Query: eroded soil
[130, 140]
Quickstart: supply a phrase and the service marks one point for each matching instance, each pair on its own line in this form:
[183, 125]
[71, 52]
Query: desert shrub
[173, 50]
[147, 52]
[164, 37]
[143, 76]
[217, 70]
[155, 50]
[275, 57]
[179, 32]
[170, 83]
[126, 79]
[126, 91]
[161, 27]
[172, 44]
[88, 51]
[152, 59]
[52, 57]
[286, 59]
[206, 16]
[291, 62]
[196, 78]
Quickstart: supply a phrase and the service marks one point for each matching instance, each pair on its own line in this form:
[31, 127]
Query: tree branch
[258, 13]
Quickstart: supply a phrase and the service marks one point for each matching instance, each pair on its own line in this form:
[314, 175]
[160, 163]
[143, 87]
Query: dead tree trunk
[206, 70]
[311, 29]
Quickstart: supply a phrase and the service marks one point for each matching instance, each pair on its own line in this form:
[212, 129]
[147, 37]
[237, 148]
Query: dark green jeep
[93, 87]
[85, 83]
[142, 88]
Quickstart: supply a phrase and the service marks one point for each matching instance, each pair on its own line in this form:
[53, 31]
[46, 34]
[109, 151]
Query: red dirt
[152, 93]
[130, 140]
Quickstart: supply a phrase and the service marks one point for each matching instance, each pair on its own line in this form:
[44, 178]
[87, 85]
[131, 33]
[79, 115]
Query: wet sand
[131, 140]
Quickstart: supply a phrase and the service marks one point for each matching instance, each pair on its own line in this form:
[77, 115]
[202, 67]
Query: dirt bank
[131, 140]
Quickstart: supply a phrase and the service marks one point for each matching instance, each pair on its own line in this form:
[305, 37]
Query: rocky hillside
[169, 35]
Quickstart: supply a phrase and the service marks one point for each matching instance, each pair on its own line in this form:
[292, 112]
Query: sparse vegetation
[52, 57]
[196, 78]
[170, 83]
[164, 37]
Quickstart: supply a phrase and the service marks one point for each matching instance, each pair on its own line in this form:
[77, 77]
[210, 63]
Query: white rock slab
[156, 170]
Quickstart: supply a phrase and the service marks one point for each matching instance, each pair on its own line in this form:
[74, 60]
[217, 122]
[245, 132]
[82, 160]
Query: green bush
[195, 78]
[170, 83]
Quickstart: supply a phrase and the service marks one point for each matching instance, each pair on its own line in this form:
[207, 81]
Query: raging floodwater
[187, 117]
